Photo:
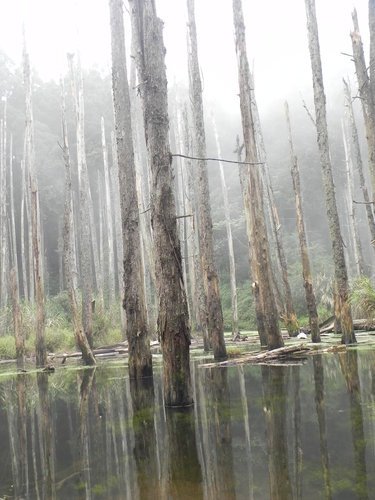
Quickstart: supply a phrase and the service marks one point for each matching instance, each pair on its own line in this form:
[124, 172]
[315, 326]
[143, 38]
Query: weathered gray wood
[267, 315]
[342, 306]
[173, 321]
[140, 361]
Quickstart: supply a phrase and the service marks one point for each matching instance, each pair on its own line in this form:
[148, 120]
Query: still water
[255, 432]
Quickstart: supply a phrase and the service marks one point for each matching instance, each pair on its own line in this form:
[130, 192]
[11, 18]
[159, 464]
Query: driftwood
[358, 324]
[264, 357]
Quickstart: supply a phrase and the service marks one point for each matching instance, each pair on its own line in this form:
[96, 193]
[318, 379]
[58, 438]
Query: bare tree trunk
[367, 97]
[371, 17]
[211, 280]
[68, 250]
[353, 223]
[287, 312]
[358, 160]
[4, 256]
[41, 353]
[118, 231]
[17, 320]
[343, 310]
[267, 316]
[109, 220]
[195, 263]
[173, 321]
[23, 249]
[84, 201]
[140, 361]
[305, 260]
[228, 225]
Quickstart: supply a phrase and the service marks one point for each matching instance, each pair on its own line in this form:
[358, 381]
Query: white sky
[276, 30]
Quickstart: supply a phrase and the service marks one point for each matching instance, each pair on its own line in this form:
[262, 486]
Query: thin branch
[218, 159]
[140, 213]
[184, 216]
[308, 112]
[364, 202]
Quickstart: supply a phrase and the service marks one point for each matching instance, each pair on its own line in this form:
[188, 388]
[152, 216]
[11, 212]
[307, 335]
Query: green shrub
[7, 347]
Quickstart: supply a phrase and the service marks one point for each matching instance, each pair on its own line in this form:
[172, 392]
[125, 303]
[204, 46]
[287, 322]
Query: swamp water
[255, 432]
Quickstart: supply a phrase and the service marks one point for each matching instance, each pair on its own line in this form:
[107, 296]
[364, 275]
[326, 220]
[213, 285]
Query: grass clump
[362, 297]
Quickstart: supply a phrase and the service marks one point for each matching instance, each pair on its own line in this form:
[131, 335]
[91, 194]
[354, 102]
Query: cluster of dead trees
[166, 246]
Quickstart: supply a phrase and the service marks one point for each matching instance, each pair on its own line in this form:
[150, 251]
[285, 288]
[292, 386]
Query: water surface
[255, 432]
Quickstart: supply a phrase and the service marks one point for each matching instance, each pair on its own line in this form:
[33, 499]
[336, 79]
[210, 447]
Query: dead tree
[366, 95]
[36, 264]
[342, 306]
[306, 270]
[211, 280]
[84, 201]
[267, 316]
[173, 321]
[357, 157]
[228, 225]
[353, 223]
[140, 361]
[68, 246]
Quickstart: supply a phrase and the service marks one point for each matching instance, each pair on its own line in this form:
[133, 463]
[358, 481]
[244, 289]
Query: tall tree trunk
[40, 348]
[68, 243]
[358, 160]
[17, 320]
[211, 280]
[140, 361]
[193, 246]
[367, 97]
[267, 316]
[109, 220]
[118, 231]
[343, 310]
[306, 269]
[353, 223]
[84, 200]
[228, 225]
[4, 254]
[371, 17]
[287, 312]
[173, 321]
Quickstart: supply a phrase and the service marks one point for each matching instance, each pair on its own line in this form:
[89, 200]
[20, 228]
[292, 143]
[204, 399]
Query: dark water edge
[255, 432]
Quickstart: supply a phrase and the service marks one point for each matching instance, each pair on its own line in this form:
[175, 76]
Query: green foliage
[59, 340]
[362, 297]
[246, 310]
[7, 347]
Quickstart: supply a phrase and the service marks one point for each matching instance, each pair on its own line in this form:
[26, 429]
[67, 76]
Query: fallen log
[279, 354]
[365, 325]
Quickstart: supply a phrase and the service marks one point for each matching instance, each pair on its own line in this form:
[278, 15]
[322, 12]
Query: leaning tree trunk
[228, 225]
[358, 160]
[306, 270]
[40, 348]
[140, 361]
[173, 321]
[267, 316]
[342, 309]
[367, 97]
[68, 246]
[84, 201]
[211, 280]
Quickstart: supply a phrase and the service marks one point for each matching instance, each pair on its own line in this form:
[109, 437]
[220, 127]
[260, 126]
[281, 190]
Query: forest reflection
[303, 432]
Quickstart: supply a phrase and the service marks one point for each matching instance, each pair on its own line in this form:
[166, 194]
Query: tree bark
[353, 223]
[367, 97]
[84, 201]
[358, 160]
[343, 309]
[267, 317]
[41, 353]
[68, 243]
[305, 260]
[173, 321]
[228, 225]
[211, 280]
[140, 361]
